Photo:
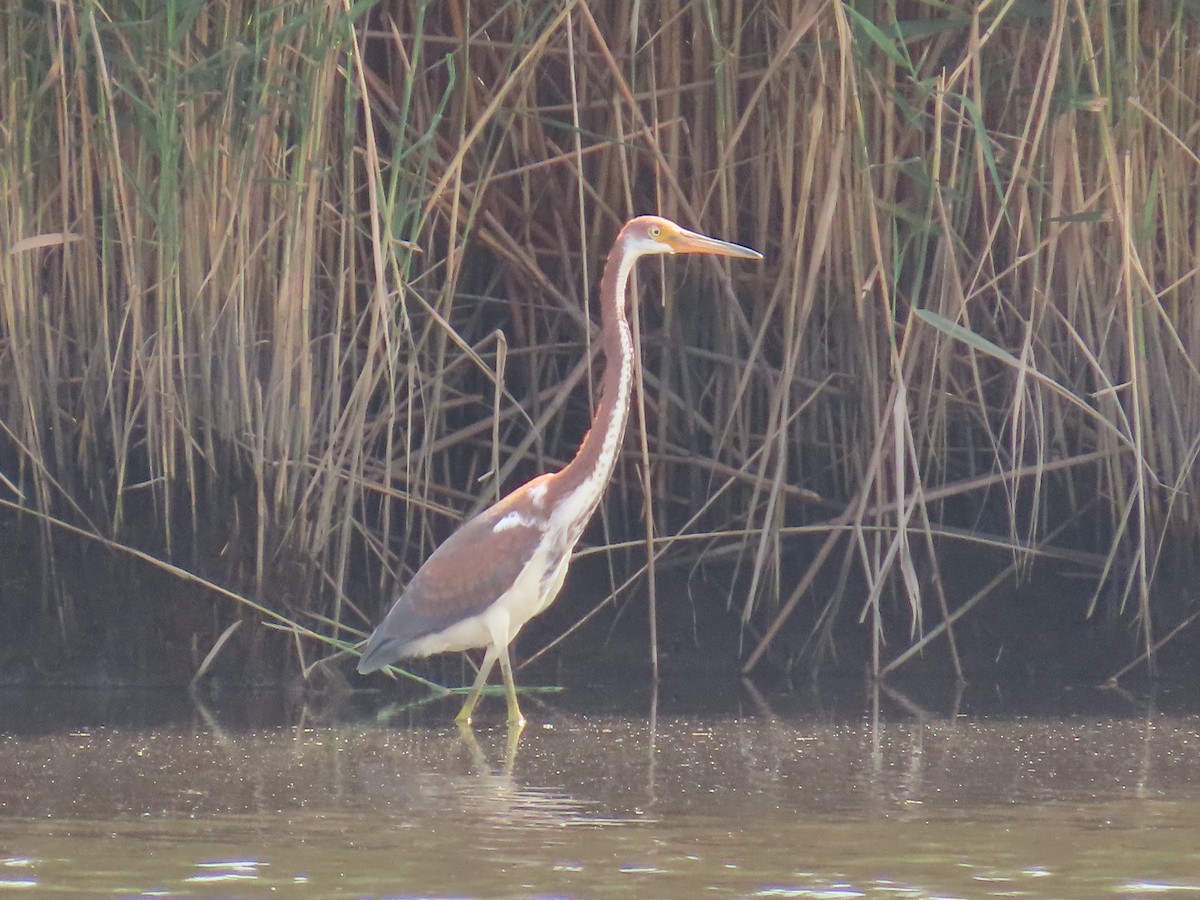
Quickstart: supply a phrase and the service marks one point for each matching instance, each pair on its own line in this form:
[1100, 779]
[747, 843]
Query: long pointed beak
[690, 242]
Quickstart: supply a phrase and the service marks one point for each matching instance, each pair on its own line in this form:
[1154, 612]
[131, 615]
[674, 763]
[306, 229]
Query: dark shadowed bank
[286, 293]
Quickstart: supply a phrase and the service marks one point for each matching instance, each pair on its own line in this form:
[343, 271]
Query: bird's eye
[655, 231]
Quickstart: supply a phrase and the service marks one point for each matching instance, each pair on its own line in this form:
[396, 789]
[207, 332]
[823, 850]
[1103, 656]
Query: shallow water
[702, 793]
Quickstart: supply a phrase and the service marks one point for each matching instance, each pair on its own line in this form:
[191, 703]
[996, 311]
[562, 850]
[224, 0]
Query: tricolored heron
[507, 564]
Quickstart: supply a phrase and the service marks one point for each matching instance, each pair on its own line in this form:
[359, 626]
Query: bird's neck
[586, 476]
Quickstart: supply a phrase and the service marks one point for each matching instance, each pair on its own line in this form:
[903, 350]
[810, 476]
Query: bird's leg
[485, 668]
[510, 689]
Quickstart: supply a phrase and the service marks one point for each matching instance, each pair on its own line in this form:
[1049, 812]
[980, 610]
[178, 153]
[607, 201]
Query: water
[703, 793]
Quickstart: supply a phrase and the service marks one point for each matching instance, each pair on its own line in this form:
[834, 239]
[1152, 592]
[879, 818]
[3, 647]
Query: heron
[508, 563]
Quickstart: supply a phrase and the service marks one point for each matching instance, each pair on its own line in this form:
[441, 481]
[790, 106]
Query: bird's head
[654, 234]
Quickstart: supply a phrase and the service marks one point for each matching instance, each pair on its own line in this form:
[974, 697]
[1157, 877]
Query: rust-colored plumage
[508, 563]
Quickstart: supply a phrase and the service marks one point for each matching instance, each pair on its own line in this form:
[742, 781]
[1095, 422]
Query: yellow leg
[510, 689]
[485, 668]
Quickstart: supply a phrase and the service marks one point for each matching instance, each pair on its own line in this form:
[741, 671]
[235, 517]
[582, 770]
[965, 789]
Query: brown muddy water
[1070, 793]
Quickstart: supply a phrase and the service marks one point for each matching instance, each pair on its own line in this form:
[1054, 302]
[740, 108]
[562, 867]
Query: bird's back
[461, 579]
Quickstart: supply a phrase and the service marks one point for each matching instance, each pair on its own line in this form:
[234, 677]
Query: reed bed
[286, 293]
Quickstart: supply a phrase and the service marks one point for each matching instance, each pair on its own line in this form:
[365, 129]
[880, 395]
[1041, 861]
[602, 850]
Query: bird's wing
[468, 572]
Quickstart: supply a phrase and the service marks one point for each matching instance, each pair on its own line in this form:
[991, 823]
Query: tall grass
[253, 266]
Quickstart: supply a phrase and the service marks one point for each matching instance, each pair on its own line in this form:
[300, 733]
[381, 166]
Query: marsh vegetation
[286, 293]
